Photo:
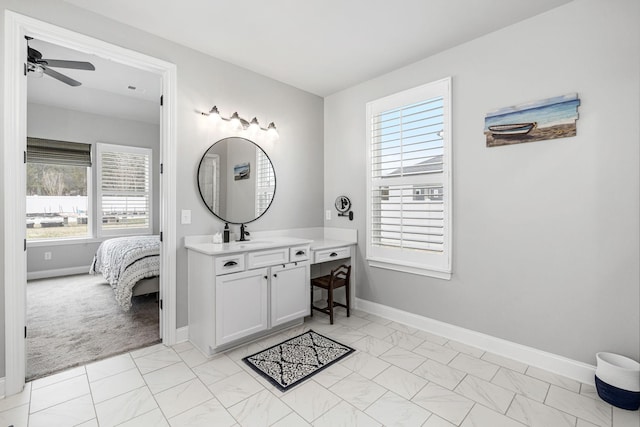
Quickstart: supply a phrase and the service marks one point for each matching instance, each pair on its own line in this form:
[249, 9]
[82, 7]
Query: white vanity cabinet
[241, 305]
[238, 291]
[290, 300]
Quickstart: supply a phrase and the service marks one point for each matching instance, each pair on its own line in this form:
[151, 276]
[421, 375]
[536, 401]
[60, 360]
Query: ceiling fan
[35, 63]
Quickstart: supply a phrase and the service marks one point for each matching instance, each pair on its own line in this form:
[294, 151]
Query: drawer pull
[230, 263]
[333, 254]
[300, 253]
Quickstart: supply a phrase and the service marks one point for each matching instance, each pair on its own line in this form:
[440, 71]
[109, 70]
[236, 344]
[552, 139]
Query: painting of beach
[549, 118]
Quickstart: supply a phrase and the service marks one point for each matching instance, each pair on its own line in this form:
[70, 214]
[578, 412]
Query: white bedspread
[124, 261]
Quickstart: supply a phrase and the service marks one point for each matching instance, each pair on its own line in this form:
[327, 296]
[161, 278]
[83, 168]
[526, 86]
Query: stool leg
[348, 299]
[330, 302]
[311, 302]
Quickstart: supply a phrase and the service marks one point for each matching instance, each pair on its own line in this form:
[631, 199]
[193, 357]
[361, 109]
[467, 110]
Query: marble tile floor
[400, 376]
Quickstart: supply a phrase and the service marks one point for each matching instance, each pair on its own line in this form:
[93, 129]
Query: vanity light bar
[214, 113]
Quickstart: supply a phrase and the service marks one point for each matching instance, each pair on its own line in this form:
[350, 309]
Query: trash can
[618, 380]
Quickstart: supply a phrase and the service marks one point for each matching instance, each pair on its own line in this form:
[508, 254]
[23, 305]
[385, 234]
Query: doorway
[14, 145]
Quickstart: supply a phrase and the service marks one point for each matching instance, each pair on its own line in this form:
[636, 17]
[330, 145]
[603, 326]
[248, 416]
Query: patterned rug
[294, 360]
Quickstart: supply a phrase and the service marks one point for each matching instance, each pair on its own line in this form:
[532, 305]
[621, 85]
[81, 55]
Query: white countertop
[321, 244]
[209, 248]
[317, 238]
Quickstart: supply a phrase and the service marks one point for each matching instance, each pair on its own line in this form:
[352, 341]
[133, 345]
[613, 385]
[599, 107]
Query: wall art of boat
[539, 120]
[512, 128]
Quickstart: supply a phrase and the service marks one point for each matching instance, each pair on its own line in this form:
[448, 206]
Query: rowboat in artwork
[513, 128]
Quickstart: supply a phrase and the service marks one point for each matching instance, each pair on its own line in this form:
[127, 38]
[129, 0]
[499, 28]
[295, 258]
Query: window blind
[54, 152]
[124, 187]
[407, 191]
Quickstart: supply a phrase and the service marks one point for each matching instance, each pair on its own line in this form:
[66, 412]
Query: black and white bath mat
[296, 359]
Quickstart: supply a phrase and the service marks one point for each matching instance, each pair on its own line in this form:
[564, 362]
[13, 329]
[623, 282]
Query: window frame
[420, 262]
[90, 190]
[99, 230]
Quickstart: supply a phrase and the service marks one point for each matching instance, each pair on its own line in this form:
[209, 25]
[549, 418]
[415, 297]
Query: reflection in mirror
[236, 180]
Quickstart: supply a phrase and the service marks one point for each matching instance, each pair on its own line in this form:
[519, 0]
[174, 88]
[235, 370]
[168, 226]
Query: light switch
[185, 217]
[327, 215]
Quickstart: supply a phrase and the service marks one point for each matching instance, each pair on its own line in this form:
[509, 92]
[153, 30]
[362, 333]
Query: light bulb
[235, 121]
[214, 114]
[272, 128]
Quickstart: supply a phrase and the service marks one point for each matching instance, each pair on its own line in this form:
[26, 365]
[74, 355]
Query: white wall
[546, 238]
[76, 126]
[202, 82]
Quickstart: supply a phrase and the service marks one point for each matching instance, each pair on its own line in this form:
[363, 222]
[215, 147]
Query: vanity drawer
[229, 264]
[329, 254]
[267, 258]
[299, 253]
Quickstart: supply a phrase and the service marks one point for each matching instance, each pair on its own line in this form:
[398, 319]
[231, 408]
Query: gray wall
[203, 81]
[75, 126]
[545, 234]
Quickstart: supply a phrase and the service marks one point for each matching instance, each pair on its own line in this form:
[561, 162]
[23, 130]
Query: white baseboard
[560, 365]
[182, 334]
[43, 274]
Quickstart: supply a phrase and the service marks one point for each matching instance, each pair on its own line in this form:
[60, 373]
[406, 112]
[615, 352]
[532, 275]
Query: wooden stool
[337, 279]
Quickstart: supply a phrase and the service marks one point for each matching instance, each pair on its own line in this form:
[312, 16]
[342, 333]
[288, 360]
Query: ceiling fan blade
[64, 79]
[76, 65]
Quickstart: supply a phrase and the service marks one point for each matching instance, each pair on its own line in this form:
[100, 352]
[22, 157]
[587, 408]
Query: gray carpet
[73, 320]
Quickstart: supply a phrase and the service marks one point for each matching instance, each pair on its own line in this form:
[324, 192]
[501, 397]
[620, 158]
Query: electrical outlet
[327, 215]
[47, 256]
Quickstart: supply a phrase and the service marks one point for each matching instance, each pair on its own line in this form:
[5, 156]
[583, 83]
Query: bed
[131, 265]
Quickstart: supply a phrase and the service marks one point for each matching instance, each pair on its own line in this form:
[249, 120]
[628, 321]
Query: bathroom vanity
[240, 291]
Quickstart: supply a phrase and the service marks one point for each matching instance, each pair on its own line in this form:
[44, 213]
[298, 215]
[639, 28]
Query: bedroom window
[409, 181]
[123, 190]
[58, 189]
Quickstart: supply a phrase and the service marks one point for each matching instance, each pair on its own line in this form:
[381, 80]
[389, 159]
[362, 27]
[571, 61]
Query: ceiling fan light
[254, 123]
[38, 71]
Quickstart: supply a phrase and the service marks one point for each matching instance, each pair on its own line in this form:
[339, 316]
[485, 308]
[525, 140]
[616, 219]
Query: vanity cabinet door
[289, 292]
[241, 305]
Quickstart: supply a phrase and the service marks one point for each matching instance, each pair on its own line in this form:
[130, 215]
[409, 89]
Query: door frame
[14, 192]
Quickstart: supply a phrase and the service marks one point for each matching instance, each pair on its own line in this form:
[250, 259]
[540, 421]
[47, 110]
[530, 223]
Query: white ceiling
[103, 91]
[320, 46]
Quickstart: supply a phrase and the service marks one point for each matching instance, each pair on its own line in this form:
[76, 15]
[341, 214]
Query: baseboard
[560, 365]
[44, 274]
[182, 334]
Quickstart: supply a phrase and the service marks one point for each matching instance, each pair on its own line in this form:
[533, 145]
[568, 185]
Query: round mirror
[236, 180]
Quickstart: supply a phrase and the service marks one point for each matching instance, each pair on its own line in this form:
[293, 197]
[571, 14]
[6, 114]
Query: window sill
[62, 242]
[408, 268]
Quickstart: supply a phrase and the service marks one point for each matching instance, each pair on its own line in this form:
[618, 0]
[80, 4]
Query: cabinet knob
[275, 275]
[266, 277]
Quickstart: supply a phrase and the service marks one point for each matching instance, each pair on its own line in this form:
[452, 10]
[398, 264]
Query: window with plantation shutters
[409, 181]
[124, 190]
